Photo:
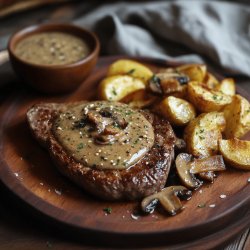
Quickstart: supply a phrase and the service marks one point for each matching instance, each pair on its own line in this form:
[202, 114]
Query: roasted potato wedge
[227, 86]
[139, 99]
[195, 72]
[237, 116]
[178, 111]
[236, 152]
[131, 68]
[206, 100]
[114, 88]
[202, 134]
[211, 81]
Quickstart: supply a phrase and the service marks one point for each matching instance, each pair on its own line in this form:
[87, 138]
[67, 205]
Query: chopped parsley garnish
[130, 72]
[79, 124]
[116, 125]
[80, 146]
[201, 205]
[128, 112]
[136, 141]
[215, 97]
[114, 91]
[107, 210]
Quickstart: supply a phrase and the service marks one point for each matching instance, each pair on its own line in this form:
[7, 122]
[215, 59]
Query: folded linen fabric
[217, 31]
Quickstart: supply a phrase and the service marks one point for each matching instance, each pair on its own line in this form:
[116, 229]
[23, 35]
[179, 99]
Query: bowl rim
[35, 29]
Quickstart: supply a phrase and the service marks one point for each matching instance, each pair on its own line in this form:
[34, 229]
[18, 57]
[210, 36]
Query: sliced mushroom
[98, 120]
[186, 168]
[111, 130]
[183, 166]
[207, 176]
[214, 163]
[211, 163]
[169, 198]
[104, 139]
[167, 82]
[155, 85]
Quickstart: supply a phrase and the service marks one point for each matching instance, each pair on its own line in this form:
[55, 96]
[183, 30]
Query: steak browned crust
[146, 177]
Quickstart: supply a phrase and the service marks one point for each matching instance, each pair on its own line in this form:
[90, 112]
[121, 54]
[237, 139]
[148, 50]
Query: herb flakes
[202, 205]
[130, 72]
[80, 146]
[107, 210]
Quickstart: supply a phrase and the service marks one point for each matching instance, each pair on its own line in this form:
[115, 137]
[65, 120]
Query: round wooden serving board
[27, 171]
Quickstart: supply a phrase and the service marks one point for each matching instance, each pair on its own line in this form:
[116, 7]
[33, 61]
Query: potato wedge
[236, 152]
[139, 99]
[202, 134]
[227, 86]
[131, 68]
[237, 116]
[211, 81]
[114, 88]
[195, 72]
[206, 100]
[178, 111]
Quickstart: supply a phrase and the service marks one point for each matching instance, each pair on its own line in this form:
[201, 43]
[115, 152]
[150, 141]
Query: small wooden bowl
[54, 78]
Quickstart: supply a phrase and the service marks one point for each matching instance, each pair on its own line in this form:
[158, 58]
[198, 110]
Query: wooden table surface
[19, 230]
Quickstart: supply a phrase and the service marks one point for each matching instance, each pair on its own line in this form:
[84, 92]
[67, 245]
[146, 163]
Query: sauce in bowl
[52, 48]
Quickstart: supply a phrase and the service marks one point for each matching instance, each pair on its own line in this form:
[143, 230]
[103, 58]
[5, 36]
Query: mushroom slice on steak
[169, 198]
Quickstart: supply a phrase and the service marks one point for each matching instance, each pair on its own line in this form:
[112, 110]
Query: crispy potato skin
[227, 86]
[131, 68]
[114, 88]
[211, 81]
[206, 100]
[237, 116]
[140, 99]
[195, 72]
[202, 134]
[236, 152]
[178, 111]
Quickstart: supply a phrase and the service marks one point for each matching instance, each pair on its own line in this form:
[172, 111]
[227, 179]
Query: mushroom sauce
[104, 135]
[52, 48]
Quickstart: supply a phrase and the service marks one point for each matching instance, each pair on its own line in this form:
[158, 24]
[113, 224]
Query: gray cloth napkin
[188, 31]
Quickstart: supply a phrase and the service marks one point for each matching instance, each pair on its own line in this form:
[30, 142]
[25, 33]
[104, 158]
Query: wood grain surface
[28, 172]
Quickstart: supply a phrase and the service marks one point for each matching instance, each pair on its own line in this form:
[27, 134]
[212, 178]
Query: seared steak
[146, 177]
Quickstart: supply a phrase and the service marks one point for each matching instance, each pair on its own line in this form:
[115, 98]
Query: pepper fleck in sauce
[104, 135]
[52, 48]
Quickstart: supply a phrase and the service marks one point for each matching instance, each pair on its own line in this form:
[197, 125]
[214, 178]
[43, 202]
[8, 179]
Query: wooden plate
[26, 170]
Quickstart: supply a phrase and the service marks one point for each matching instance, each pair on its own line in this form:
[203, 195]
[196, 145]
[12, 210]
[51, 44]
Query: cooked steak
[144, 177]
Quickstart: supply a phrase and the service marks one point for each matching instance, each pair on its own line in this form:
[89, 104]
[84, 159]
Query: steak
[144, 178]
